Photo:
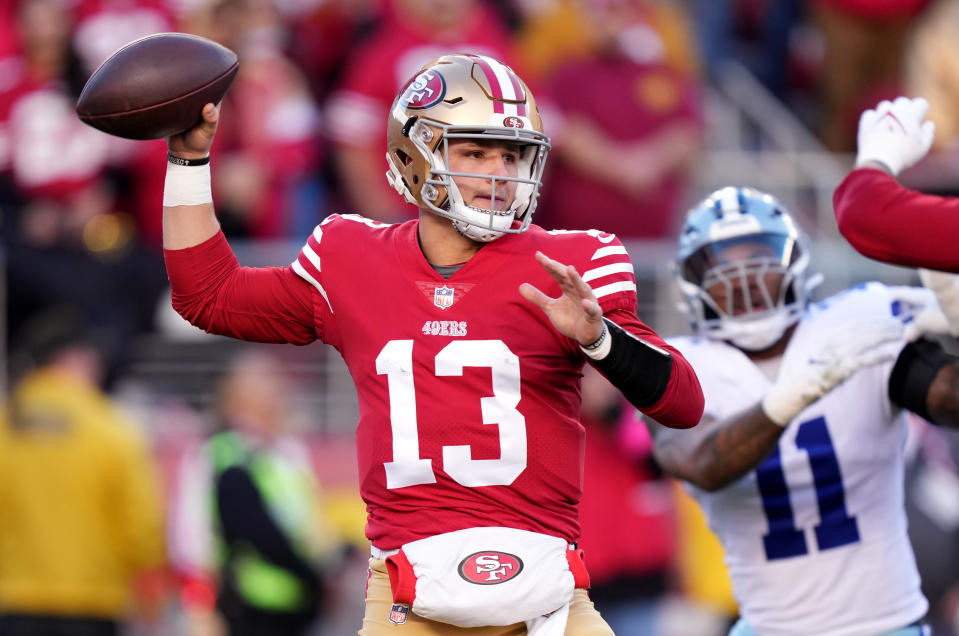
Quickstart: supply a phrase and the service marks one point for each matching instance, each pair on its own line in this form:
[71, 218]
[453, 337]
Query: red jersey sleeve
[886, 221]
[261, 304]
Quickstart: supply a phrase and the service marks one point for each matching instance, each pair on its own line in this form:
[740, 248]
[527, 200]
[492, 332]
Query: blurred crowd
[622, 86]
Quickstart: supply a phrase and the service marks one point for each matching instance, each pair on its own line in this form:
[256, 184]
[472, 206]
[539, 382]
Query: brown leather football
[157, 86]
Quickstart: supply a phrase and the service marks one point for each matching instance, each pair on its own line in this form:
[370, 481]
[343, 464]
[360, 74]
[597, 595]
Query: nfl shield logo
[443, 297]
[398, 614]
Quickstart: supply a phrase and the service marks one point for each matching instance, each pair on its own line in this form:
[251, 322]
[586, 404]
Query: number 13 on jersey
[408, 468]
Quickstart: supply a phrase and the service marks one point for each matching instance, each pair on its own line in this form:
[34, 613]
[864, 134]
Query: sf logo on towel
[490, 567]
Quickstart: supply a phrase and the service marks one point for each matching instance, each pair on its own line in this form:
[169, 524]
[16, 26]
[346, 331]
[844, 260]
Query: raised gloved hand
[946, 288]
[894, 133]
[807, 375]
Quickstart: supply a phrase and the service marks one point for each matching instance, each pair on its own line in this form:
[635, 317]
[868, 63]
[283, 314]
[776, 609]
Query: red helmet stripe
[494, 83]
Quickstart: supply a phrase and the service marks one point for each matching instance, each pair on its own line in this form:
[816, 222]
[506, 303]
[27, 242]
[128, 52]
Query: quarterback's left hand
[576, 312]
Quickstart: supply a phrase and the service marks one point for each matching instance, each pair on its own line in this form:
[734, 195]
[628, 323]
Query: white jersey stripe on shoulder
[612, 288]
[609, 250]
[505, 84]
[311, 256]
[299, 269]
[606, 270]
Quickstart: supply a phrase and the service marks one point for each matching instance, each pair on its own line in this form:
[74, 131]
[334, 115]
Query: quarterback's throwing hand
[576, 312]
[195, 143]
[894, 134]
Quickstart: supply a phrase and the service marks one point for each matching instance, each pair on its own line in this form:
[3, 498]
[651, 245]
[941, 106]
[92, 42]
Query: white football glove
[805, 376]
[894, 134]
[946, 288]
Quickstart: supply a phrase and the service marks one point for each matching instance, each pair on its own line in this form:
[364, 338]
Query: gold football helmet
[465, 97]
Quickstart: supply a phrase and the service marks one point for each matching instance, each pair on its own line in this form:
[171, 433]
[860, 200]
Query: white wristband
[187, 185]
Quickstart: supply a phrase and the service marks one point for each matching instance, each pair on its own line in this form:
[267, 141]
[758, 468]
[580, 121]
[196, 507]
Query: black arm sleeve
[244, 517]
[912, 375]
[638, 369]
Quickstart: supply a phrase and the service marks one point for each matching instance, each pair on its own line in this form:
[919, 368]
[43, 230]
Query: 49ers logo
[513, 122]
[427, 89]
[490, 568]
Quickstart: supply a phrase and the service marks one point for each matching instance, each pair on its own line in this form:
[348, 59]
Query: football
[157, 86]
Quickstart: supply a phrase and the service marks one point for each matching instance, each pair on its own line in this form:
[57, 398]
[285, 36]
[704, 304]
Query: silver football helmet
[742, 268]
[465, 97]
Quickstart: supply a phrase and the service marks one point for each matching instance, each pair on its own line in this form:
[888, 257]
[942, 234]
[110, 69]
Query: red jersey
[886, 221]
[469, 397]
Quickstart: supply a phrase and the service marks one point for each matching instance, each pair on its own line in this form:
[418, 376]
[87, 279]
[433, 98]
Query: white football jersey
[815, 538]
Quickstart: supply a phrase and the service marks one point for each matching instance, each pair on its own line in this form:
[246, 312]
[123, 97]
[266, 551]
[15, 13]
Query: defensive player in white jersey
[466, 341]
[798, 460]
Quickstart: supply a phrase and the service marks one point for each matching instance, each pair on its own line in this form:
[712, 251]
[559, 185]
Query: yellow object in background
[702, 572]
[80, 512]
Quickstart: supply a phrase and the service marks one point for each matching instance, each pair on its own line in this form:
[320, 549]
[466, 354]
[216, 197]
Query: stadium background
[774, 94]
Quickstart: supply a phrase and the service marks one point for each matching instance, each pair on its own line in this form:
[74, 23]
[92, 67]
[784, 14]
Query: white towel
[553, 624]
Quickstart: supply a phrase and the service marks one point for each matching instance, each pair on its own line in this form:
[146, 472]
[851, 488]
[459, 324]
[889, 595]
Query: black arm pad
[638, 369]
[912, 375]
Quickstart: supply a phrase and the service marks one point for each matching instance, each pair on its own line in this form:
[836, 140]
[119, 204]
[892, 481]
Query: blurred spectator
[757, 33]
[81, 250]
[103, 26]
[932, 505]
[247, 521]
[551, 33]
[554, 32]
[44, 149]
[410, 34]
[626, 513]
[932, 69]
[630, 131]
[865, 43]
[60, 214]
[80, 514]
[323, 34]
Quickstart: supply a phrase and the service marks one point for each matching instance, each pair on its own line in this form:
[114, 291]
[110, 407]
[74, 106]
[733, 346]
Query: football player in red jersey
[465, 332]
[886, 221]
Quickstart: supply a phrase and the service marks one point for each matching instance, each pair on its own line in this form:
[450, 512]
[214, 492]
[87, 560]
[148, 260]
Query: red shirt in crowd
[629, 102]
